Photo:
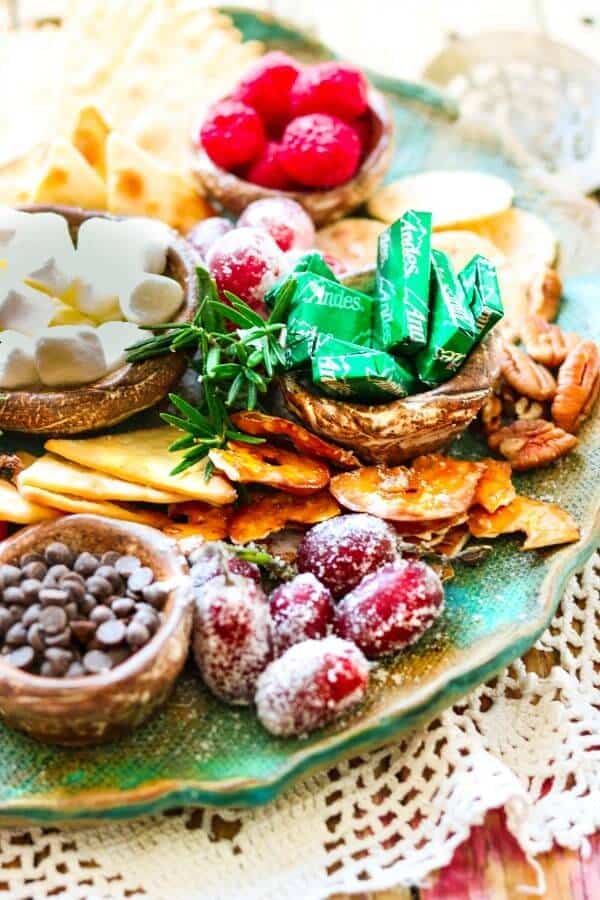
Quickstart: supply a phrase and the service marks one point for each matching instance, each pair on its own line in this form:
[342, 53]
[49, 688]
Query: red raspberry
[320, 151]
[232, 134]
[232, 636]
[364, 129]
[330, 87]
[247, 262]
[203, 235]
[311, 685]
[266, 169]
[341, 551]
[301, 608]
[390, 608]
[266, 87]
[285, 220]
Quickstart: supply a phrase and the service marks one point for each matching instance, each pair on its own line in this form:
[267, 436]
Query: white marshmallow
[151, 299]
[24, 309]
[69, 355]
[17, 364]
[115, 337]
[124, 245]
[50, 278]
[97, 295]
[40, 238]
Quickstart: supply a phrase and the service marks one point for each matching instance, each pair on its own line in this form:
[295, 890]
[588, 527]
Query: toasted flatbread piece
[68, 179]
[143, 457]
[140, 186]
[89, 136]
[16, 508]
[453, 198]
[461, 246]
[353, 241]
[527, 242]
[70, 504]
[50, 473]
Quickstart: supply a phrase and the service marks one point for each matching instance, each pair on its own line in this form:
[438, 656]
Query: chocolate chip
[155, 594]
[53, 619]
[137, 635]
[31, 588]
[58, 553]
[86, 564]
[126, 565]
[21, 658]
[58, 572]
[101, 614]
[87, 604]
[72, 610]
[9, 575]
[15, 612]
[122, 606]
[147, 616]
[140, 579]
[110, 557]
[97, 661]
[28, 558]
[112, 576]
[75, 670]
[14, 595]
[111, 632]
[36, 569]
[83, 630]
[59, 660]
[5, 620]
[99, 587]
[16, 634]
[62, 639]
[53, 596]
[31, 614]
[35, 637]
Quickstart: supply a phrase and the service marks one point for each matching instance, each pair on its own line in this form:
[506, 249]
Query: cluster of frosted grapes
[247, 259]
[302, 654]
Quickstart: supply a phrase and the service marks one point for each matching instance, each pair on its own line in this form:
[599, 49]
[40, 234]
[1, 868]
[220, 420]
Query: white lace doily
[527, 742]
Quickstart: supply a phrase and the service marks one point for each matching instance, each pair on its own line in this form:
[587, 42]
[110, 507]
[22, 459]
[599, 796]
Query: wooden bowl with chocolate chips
[106, 694]
[122, 392]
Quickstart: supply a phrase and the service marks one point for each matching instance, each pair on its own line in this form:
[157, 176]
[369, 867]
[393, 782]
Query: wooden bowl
[234, 194]
[118, 395]
[390, 433]
[97, 708]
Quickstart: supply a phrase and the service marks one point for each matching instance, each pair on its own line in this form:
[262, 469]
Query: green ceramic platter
[199, 751]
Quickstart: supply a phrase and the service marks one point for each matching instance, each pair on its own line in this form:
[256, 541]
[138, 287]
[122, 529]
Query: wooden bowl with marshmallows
[81, 381]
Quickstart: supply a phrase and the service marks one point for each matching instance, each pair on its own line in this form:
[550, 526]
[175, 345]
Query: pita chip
[70, 504]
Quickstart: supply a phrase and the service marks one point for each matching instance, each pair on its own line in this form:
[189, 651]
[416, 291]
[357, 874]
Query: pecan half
[528, 409]
[491, 414]
[547, 343]
[526, 376]
[531, 443]
[577, 387]
[544, 294]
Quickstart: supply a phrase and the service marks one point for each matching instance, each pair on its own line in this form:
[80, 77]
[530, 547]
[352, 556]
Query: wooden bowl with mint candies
[56, 280]
[317, 134]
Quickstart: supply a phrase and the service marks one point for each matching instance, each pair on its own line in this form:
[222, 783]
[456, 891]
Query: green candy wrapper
[402, 284]
[321, 309]
[312, 261]
[352, 372]
[452, 333]
[480, 284]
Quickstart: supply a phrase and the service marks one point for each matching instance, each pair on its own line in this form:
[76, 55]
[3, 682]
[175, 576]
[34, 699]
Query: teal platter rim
[451, 682]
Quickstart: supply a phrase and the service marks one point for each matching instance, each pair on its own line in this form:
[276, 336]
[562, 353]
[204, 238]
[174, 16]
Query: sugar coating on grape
[286, 221]
[311, 685]
[232, 636]
[300, 609]
[341, 551]
[247, 262]
[244, 567]
[203, 235]
[390, 608]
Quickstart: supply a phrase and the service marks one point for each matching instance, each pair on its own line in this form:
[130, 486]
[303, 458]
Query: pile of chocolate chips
[65, 615]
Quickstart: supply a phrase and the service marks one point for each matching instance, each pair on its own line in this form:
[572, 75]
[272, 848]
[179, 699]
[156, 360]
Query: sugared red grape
[203, 235]
[244, 568]
[310, 685]
[232, 636]
[211, 558]
[285, 220]
[247, 262]
[390, 608]
[300, 609]
[341, 551]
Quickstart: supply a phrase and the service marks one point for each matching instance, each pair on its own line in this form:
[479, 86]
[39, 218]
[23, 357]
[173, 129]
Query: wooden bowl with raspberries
[319, 134]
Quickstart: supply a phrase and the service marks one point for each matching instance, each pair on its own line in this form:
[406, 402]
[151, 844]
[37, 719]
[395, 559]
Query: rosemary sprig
[234, 366]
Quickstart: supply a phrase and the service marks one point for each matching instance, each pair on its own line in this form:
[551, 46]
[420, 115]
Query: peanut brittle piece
[436, 487]
[530, 443]
[495, 487]
[578, 386]
[262, 425]
[545, 524]
[454, 541]
[527, 377]
[272, 466]
[546, 342]
[210, 522]
[272, 512]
